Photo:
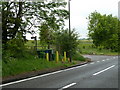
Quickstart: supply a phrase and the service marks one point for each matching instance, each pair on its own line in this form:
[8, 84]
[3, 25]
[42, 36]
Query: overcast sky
[80, 9]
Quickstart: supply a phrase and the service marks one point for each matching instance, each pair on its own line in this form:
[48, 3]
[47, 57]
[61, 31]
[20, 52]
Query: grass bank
[23, 65]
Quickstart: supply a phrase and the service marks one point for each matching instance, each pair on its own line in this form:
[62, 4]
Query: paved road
[101, 73]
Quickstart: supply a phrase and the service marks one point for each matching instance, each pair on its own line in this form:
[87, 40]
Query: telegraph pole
[119, 10]
[69, 16]
[69, 29]
[118, 28]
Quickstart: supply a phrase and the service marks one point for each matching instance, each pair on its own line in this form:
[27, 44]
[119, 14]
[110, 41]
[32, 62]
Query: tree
[103, 29]
[11, 19]
[54, 22]
[46, 35]
[20, 17]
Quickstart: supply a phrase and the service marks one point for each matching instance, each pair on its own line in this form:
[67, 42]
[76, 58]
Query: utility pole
[69, 16]
[119, 10]
[118, 26]
[69, 29]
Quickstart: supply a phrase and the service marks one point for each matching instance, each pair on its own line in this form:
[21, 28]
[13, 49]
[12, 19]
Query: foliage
[66, 41]
[46, 35]
[103, 29]
[54, 22]
[15, 48]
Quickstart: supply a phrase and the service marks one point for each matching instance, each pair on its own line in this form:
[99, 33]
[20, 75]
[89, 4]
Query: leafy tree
[46, 35]
[103, 29]
[54, 22]
[21, 16]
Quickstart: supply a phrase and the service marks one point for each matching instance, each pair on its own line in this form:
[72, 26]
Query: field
[86, 47]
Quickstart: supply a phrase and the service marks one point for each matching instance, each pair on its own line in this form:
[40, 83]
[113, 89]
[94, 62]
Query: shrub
[66, 41]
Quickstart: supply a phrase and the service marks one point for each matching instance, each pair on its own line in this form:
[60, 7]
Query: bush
[15, 48]
[66, 41]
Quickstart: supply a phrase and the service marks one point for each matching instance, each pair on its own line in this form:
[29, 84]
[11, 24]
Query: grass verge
[19, 66]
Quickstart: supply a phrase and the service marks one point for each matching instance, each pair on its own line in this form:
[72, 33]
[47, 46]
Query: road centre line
[114, 57]
[67, 86]
[98, 61]
[92, 63]
[103, 60]
[104, 70]
[107, 59]
[27, 79]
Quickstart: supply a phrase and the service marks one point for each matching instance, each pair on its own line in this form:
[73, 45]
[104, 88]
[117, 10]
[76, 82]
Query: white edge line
[103, 70]
[41, 75]
[67, 86]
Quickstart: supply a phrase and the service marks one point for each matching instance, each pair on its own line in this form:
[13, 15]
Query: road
[101, 73]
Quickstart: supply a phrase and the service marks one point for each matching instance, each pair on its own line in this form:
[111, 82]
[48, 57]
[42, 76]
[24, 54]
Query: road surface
[101, 73]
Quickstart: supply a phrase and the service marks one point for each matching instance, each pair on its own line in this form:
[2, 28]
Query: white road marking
[103, 60]
[103, 70]
[74, 67]
[98, 61]
[107, 59]
[92, 63]
[67, 86]
[113, 57]
[27, 79]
